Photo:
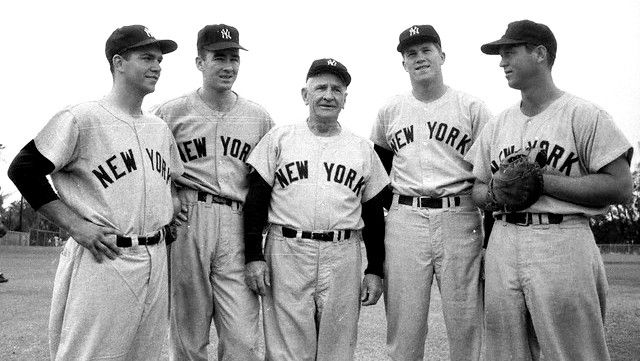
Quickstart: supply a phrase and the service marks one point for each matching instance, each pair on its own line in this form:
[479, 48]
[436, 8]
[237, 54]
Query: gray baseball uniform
[207, 260]
[548, 264]
[433, 227]
[115, 170]
[319, 183]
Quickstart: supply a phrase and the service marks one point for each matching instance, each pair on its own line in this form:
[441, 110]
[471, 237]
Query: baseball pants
[421, 243]
[545, 292]
[311, 310]
[207, 274]
[114, 310]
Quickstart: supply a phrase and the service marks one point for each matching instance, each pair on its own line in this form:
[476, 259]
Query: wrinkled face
[140, 68]
[325, 94]
[519, 65]
[219, 68]
[423, 61]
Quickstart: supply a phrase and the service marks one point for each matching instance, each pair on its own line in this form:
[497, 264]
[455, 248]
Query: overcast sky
[53, 54]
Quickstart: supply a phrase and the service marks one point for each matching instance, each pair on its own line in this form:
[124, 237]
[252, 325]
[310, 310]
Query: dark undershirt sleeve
[28, 172]
[386, 157]
[373, 234]
[256, 211]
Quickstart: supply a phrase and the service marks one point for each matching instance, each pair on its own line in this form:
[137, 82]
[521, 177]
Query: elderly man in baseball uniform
[433, 227]
[545, 280]
[215, 129]
[318, 185]
[112, 166]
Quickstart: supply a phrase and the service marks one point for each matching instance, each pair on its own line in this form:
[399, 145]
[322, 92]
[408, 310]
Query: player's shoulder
[575, 102]
[464, 98]
[84, 113]
[357, 140]
[396, 101]
[251, 106]
[177, 105]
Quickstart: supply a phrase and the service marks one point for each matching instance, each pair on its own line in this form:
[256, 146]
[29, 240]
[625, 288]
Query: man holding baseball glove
[544, 166]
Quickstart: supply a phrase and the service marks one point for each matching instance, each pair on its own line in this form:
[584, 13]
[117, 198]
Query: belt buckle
[419, 202]
[526, 220]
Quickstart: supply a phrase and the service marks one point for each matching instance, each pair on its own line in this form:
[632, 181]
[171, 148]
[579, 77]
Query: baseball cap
[523, 32]
[329, 65]
[417, 34]
[134, 36]
[219, 36]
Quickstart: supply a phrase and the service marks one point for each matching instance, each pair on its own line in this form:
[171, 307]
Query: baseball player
[215, 129]
[433, 227]
[112, 166]
[317, 185]
[545, 280]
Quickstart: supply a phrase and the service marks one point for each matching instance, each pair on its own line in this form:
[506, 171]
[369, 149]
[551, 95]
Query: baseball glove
[518, 183]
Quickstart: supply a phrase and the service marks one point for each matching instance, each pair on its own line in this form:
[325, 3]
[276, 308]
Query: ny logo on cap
[225, 33]
[147, 32]
[331, 62]
[414, 31]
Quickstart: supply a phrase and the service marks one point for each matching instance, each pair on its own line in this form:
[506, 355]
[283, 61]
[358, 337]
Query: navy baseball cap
[134, 36]
[418, 34]
[219, 36]
[329, 65]
[523, 32]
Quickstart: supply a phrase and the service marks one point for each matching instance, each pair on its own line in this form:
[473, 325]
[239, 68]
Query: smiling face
[423, 62]
[139, 68]
[325, 94]
[219, 68]
[520, 65]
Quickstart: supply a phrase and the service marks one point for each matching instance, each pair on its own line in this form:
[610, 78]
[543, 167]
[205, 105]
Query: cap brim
[493, 48]
[223, 45]
[416, 40]
[166, 46]
[345, 77]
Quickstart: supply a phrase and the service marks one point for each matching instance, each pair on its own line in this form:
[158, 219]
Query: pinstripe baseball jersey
[578, 137]
[318, 182]
[214, 145]
[429, 141]
[112, 168]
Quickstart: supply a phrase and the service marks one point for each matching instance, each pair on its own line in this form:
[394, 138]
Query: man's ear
[305, 92]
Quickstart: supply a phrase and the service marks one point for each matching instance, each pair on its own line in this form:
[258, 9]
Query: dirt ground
[24, 310]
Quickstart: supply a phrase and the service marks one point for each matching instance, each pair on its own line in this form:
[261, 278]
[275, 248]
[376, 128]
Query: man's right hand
[97, 239]
[256, 275]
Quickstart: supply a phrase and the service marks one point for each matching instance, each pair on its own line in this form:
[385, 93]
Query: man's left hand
[371, 289]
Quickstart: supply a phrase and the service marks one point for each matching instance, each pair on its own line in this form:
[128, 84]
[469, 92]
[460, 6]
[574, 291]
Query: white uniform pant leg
[558, 274]
[409, 270]
[191, 294]
[460, 286]
[289, 307]
[152, 333]
[97, 308]
[338, 298]
[237, 308]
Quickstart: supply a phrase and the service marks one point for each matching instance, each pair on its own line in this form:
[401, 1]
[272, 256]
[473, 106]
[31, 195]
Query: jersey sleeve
[378, 178]
[264, 157]
[379, 130]
[177, 167]
[479, 155]
[598, 139]
[58, 139]
[480, 115]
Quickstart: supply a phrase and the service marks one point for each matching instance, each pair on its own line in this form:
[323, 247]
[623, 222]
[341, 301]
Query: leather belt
[213, 198]
[318, 236]
[142, 241]
[426, 202]
[525, 219]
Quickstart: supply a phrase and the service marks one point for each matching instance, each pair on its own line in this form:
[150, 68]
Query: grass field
[24, 310]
